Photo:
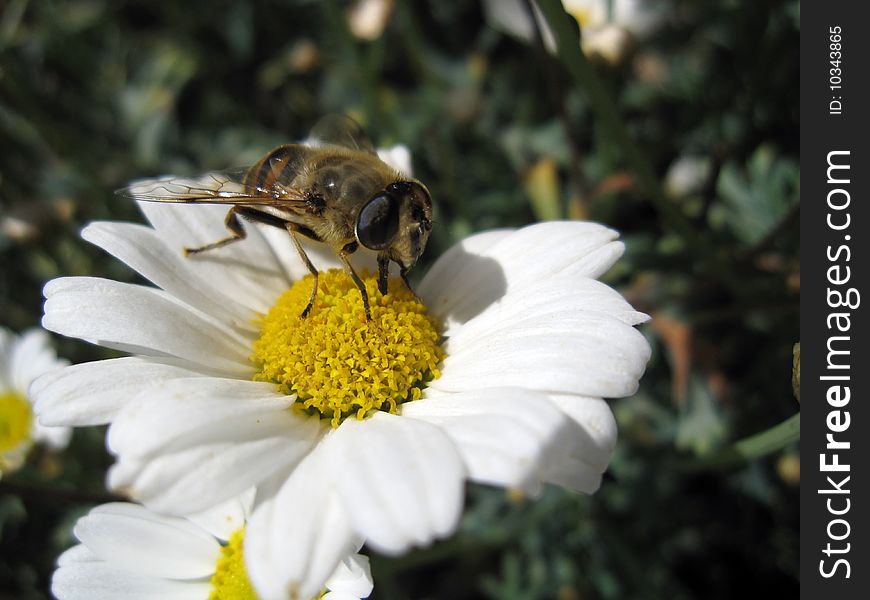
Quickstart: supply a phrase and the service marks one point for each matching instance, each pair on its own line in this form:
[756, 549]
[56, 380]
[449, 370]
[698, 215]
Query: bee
[333, 190]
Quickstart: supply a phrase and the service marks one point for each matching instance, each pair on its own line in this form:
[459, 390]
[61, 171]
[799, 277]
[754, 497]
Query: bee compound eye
[378, 222]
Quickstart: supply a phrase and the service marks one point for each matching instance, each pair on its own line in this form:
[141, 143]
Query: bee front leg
[383, 273]
[343, 254]
[403, 273]
[233, 224]
[291, 229]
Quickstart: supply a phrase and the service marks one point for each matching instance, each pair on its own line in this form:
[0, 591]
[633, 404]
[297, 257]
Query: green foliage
[756, 199]
[94, 93]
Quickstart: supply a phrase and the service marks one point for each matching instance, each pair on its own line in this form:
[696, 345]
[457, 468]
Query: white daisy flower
[686, 175]
[128, 551]
[398, 157]
[607, 25]
[350, 429]
[23, 359]
[368, 18]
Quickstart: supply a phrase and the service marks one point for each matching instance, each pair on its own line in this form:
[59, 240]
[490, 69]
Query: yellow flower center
[16, 420]
[230, 580]
[340, 365]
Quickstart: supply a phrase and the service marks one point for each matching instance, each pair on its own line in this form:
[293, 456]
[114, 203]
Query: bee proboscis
[335, 190]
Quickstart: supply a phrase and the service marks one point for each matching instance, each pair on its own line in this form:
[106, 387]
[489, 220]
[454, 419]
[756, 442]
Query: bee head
[397, 222]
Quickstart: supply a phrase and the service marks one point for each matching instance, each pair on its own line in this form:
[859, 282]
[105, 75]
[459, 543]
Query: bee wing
[342, 131]
[219, 187]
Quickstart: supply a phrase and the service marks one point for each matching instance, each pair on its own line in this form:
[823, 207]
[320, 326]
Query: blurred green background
[684, 137]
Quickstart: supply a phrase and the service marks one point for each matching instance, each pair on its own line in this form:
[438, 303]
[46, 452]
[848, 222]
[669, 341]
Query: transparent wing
[342, 131]
[219, 187]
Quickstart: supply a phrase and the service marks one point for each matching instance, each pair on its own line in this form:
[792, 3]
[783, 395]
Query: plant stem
[567, 36]
[558, 97]
[753, 447]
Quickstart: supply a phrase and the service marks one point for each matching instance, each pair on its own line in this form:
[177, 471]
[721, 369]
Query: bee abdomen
[281, 165]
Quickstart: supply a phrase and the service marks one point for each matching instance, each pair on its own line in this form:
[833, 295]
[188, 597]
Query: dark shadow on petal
[488, 286]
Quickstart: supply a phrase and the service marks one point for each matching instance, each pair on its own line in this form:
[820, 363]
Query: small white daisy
[368, 18]
[686, 175]
[607, 25]
[128, 551]
[350, 429]
[23, 359]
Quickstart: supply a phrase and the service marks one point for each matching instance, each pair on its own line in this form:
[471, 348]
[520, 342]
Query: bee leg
[237, 232]
[383, 273]
[343, 254]
[403, 273]
[291, 229]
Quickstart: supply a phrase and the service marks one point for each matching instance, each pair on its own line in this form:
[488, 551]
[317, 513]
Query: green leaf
[757, 196]
[702, 427]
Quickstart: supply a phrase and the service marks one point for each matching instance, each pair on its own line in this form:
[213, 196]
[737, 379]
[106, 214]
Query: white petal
[521, 260]
[506, 436]
[295, 540]
[352, 577]
[574, 475]
[555, 295]
[7, 338]
[227, 517]
[593, 436]
[77, 554]
[93, 393]
[31, 355]
[448, 269]
[143, 250]
[511, 16]
[133, 539]
[247, 271]
[181, 413]
[99, 581]
[503, 434]
[130, 510]
[340, 596]
[142, 320]
[195, 479]
[597, 262]
[402, 480]
[564, 350]
[398, 157]
[538, 251]
[56, 438]
[321, 255]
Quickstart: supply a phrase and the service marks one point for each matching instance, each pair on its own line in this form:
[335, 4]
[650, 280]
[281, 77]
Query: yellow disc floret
[16, 420]
[230, 580]
[337, 363]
